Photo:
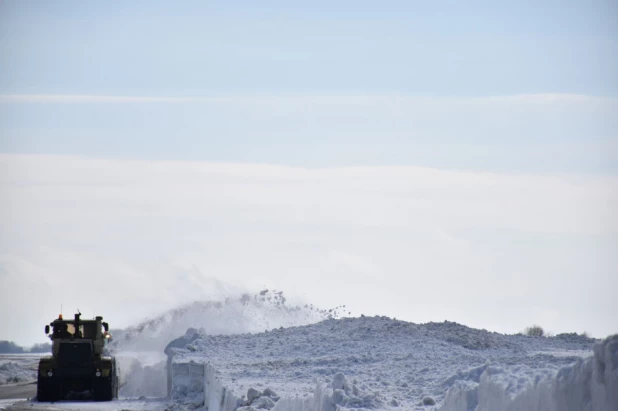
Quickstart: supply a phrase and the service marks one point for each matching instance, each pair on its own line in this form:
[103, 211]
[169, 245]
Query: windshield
[66, 329]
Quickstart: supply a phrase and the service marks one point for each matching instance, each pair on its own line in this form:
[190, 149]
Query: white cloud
[122, 236]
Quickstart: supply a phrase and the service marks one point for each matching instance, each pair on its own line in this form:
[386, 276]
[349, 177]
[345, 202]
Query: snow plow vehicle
[78, 364]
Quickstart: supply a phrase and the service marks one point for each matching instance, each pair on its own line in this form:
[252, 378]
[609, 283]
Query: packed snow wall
[338, 395]
[591, 384]
[195, 384]
[187, 382]
[216, 396]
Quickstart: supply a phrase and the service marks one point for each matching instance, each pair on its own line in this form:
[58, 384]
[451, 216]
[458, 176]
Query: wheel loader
[78, 364]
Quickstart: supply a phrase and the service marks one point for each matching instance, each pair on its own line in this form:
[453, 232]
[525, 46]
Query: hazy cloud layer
[127, 238]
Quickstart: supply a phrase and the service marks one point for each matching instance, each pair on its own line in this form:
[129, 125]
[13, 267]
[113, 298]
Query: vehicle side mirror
[47, 329]
[106, 327]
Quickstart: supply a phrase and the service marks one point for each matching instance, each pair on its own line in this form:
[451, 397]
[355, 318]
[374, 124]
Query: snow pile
[591, 383]
[16, 372]
[376, 363]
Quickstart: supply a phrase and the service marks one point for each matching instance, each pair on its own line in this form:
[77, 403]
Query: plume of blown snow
[140, 349]
[233, 314]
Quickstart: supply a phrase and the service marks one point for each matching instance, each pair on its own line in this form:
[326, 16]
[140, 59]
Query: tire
[106, 389]
[47, 390]
[103, 389]
[42, 391]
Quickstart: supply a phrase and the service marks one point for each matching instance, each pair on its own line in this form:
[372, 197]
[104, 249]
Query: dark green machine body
[77, 364]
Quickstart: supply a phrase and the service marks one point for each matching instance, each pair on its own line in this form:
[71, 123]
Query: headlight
[50, 373]
[98, 373]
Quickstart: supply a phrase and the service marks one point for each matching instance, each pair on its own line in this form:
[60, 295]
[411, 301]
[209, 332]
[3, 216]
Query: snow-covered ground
[261, 352]
[378, 362]
[381, 363]
[116, 405]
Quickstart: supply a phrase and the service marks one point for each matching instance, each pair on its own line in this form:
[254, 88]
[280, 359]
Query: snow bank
[188, 383]
[590, 384]
[338, 395]
[188, 391]
[238, 352]
[372, 363]
[318, 401]
[15, 372]
[218, 397]
[195, 385]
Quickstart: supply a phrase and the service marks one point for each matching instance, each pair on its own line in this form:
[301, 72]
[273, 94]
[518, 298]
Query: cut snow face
[371, 363]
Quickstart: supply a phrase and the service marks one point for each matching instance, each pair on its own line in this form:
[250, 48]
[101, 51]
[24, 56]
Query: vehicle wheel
[42, 392]
[47, 390]
[103, 389]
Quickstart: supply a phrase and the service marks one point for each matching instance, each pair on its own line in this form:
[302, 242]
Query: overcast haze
[421, 161]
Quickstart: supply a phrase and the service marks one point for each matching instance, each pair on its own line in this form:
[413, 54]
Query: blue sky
[536, 133]
[464, 152]
[411, 47]
[278, 49]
